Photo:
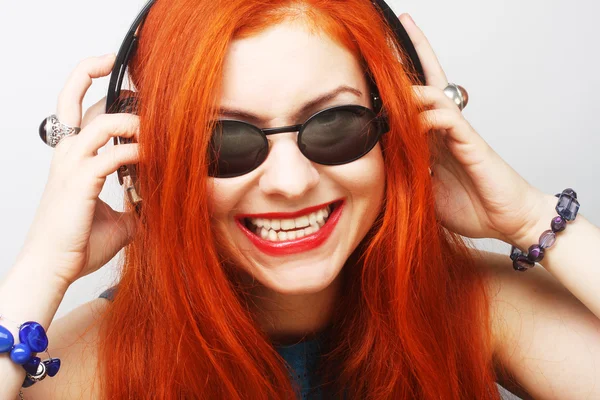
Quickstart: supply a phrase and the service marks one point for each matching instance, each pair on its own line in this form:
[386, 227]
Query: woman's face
[272, 76]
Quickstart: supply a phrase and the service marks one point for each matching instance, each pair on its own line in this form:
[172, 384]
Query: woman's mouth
[281, 230]
[280, 236]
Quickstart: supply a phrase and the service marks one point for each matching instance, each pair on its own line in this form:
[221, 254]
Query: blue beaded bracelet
[567, 208]
[33, 339]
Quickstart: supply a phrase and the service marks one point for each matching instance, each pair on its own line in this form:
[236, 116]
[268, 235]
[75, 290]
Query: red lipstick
[305, 243]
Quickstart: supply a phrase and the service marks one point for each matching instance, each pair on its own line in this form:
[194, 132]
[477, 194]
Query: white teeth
[275, 224]
[287, 224]
[272, 236]
[289, 229]
[311, 229]
[282, 235]
[302, 222]
[320, 216]
[264, 233]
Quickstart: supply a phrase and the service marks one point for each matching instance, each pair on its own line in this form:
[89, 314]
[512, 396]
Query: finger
[68, 108]
[100, 108]
[92, 112]
[434, 74]
[456, 126]
[105, 127]
[433, 97]
[110, 160]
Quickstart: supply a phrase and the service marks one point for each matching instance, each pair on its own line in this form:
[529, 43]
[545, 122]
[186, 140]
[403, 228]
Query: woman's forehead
[284, 66]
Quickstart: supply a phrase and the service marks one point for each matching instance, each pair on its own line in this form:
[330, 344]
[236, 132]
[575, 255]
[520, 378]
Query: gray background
[531, 68]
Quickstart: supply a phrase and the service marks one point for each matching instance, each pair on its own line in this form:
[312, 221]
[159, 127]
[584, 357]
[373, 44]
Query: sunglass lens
[236, 149]
[339, 135]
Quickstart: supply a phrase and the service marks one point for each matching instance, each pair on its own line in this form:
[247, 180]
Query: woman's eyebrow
[311, 105]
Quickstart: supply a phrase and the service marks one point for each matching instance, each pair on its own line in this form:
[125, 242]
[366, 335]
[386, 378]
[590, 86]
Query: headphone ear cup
[128, 105]
[128, 174]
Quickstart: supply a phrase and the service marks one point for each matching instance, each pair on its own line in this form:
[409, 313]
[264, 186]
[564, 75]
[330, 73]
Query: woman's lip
[280, 215]
[297, 245]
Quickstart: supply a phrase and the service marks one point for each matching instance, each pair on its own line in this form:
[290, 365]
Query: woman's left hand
[477, 194]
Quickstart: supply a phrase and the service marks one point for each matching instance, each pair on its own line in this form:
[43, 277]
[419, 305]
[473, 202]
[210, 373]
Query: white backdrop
[531, 68]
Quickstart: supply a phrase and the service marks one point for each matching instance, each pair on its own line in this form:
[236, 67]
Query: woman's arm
[28, 293]
[74, 339]
[546, 341]
[574, 259]
[547, 320]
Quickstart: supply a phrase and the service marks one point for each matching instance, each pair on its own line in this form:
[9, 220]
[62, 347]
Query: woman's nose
[287, 171]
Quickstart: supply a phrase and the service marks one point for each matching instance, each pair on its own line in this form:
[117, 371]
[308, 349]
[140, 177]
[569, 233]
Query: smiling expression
[294, 223]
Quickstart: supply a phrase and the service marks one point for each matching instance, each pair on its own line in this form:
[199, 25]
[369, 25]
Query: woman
[381, 286]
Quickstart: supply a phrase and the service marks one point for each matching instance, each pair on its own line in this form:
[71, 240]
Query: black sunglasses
[333, 136]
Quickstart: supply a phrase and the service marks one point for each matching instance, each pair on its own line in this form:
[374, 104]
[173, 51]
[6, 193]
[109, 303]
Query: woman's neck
[288, 319]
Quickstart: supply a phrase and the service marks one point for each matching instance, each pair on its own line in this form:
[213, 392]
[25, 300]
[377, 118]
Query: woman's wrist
[538, 222]
[30, 292]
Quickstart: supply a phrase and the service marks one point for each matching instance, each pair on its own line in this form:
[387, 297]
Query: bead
[52, 366]
[515, 252]
[567, 207]
[34, 335]
[547, 239]
[535, 253]
[521, 263]
[570, 192]
[7, 340]
[558, 224]
[27, 382]
[20, 353]
[31, 366]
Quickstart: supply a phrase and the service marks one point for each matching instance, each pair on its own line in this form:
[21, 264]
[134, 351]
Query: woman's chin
[298, 279]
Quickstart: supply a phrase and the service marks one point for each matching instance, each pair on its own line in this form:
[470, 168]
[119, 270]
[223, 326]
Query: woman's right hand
[73, 229]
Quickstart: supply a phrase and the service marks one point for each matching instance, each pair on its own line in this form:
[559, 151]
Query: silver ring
[457, 94]
[52, 131]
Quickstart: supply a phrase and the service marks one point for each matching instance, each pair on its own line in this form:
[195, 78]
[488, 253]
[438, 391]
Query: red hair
[414, 320]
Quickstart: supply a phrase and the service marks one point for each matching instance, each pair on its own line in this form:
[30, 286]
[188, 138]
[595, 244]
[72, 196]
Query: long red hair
[414, 321]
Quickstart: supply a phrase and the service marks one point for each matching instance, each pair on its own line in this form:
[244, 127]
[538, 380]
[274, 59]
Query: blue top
[302, 358]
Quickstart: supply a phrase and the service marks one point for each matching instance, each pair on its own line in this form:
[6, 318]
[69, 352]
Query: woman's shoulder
[74, 339]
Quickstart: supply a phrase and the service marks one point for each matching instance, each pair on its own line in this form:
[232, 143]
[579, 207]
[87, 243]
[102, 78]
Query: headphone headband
[129, 46]
[126, 52]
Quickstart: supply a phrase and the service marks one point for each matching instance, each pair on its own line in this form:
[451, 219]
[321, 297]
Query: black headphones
[128, 173]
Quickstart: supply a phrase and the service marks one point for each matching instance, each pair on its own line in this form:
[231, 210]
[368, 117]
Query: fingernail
[109, 55]
[411, 19]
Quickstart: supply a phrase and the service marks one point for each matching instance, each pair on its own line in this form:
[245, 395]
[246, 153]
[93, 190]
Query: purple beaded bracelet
[567, 208]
